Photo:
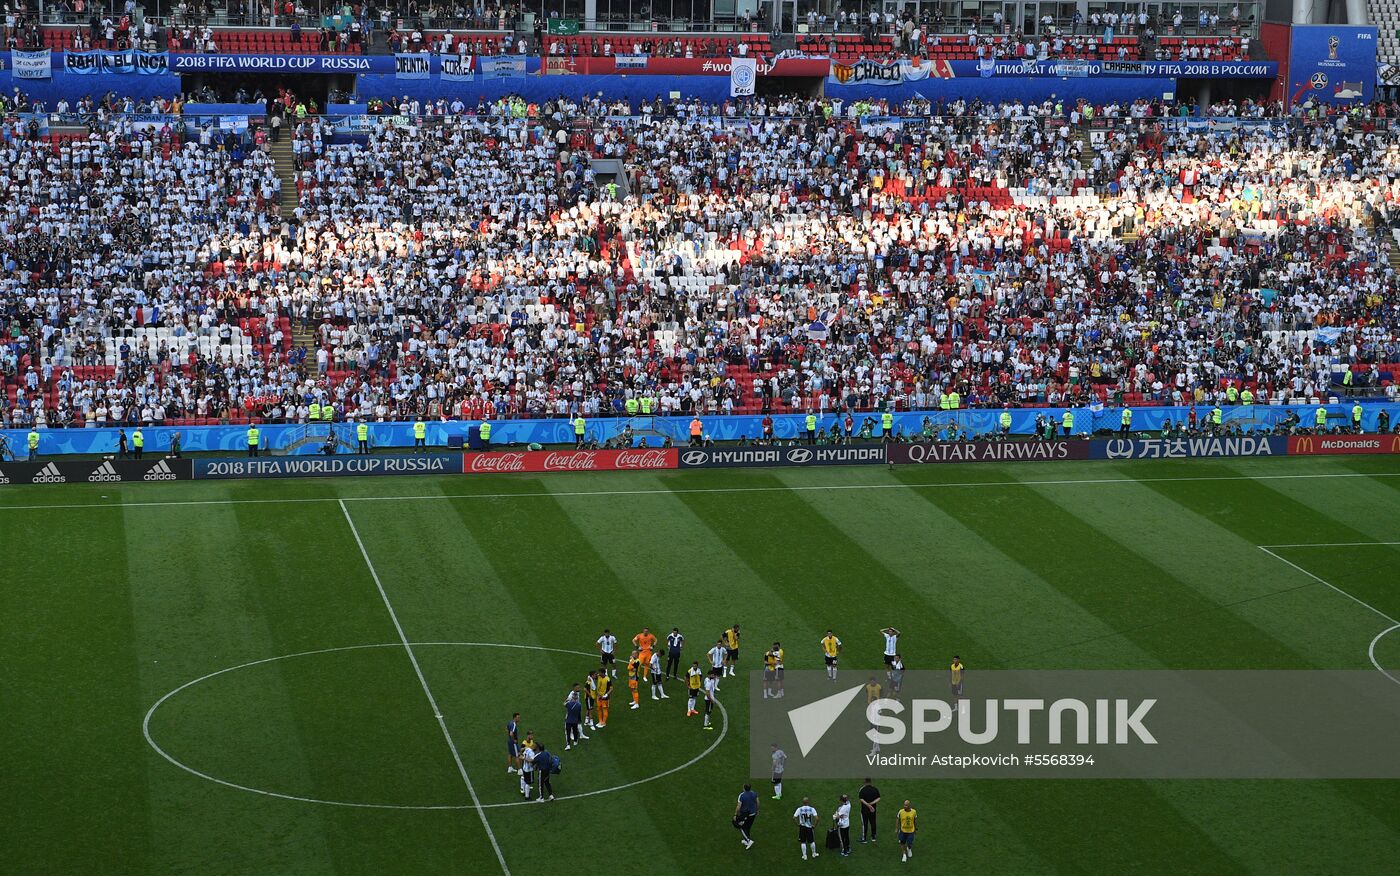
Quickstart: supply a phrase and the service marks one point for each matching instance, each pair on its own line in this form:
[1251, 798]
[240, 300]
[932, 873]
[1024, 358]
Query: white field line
[150, 739]
[1394, 624]
[1323, 544]
[683, 491]
[432, 701]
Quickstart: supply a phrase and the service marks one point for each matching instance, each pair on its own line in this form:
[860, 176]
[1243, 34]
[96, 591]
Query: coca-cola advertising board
[634, 459]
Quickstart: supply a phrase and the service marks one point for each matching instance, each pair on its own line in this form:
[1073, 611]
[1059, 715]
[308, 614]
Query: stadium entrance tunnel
[307, 86]
[351, 726]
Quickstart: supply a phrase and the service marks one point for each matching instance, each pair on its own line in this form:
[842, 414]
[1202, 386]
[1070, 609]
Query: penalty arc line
[155, 746]
[1371, 651]
[427, 691]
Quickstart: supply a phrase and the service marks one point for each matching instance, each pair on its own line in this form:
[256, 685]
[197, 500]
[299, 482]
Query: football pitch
[247, 677]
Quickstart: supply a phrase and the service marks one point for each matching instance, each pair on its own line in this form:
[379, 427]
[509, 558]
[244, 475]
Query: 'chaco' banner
[888, 72]
[31, 65]
[130, 61]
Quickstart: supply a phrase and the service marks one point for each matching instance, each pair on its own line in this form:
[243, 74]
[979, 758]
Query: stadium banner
[800, 455]
[552, 65]
[1189, 448]
[358, 124]
[1148, 69]
[1332, 63]
[92, 471]
[502, 67]
[1079, 724]
[987, 451]
[888, 72]
[192, 62]
[654, 66]
[897, 72]
[743, 73]
[412, 65]
[327, 466]
[31, 65]
[563, 27]
[125, 62]
[456, 68]
[636, 459]
[928, 425]
[1322, 445]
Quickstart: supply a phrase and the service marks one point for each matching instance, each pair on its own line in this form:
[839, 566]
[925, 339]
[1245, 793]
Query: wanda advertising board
[1318, 445]
[641, 459]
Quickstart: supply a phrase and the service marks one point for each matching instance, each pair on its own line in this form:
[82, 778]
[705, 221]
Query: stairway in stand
[281, 153]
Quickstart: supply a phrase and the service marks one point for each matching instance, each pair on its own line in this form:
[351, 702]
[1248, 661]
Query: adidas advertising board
[106, 471]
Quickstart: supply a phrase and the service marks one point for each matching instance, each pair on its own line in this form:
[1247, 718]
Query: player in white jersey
[717, 656]
[657, 691]
[891, 644]
[711, 686]
[607, 645]
[806, 817]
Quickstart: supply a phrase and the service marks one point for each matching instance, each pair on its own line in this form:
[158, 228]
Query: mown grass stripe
[527, 545]
[188, 624]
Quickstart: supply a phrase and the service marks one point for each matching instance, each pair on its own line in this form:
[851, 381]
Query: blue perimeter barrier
[979, 421]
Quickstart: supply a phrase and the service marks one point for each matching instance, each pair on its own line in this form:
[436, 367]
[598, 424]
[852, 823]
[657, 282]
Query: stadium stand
[605, 44]
[473, 265]
[1385, 15]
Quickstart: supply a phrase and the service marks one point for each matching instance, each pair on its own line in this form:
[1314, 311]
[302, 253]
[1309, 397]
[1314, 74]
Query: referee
[745, 811]
[674, 642]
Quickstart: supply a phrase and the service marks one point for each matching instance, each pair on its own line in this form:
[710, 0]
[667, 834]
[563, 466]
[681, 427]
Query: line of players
[588, 705]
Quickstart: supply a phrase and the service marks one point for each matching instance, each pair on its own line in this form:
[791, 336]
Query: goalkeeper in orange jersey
[645, 643]
[634, 674]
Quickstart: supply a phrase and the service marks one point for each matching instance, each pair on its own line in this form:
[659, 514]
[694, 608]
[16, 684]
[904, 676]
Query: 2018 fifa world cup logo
[1332, 43]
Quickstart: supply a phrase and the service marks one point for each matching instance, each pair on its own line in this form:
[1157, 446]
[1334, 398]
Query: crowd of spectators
[786, 254]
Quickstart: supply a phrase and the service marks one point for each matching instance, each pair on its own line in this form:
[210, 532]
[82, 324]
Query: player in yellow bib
[604, 698]
[831, 650]
[693, 680]
[908, 818]
[731, 650]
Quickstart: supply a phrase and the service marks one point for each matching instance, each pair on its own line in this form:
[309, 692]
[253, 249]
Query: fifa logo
[1332, 43]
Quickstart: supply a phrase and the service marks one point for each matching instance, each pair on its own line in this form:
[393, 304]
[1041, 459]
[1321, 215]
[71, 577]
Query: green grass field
[115, 596]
